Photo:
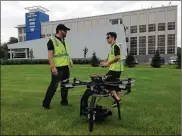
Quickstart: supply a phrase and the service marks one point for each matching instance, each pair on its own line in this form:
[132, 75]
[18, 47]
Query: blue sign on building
[33, 24]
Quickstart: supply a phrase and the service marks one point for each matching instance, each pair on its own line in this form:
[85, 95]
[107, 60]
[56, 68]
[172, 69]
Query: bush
[23, 61]
[178, 61]
[130, 61]
[39, 61]
[156, 60]
[94, 60]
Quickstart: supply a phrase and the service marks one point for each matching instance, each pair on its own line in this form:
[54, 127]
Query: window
[114, 21]
[28, 52]
[20, 39]
[133, 45]
[133, 29]
[125, 28]
[121, 21]
[24, 30]
[171, 44]
[142, 45]
[20, 30]
[48, 35]
[24, 38]
[151, 27]
[18, 53]
[43, 36]
[161, 44]
[126, 39]
[161, 27]
[142, 28]
[19, 50]
[171, 25]
[151, 44]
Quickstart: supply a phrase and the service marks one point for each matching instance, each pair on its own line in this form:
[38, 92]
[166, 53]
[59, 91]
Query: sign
[33, 24]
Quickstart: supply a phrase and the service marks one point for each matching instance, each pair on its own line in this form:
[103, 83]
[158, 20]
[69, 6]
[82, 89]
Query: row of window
[47, 35]
[152, 27]
[22, 38]
[21, 30]
[152, 43]
[19, 53]
[142, 28]
[116, 21]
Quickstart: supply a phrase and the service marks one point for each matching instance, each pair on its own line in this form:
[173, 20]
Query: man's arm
[117, 58]
[50, 58]
[71, 62]
[50, 48]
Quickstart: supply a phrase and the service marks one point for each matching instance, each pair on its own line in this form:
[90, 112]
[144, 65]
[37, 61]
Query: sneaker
[46, 107]
[64, 103]
[115, 104]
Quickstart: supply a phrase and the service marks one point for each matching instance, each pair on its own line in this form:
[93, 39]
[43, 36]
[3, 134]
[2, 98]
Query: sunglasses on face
[108, 37]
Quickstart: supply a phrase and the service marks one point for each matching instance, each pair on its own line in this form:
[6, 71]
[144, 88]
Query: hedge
[39, 61]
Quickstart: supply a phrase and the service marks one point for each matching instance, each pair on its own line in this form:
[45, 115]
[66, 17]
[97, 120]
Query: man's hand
[105, 64]
[102, 62]
[54, 71]
[71, 63]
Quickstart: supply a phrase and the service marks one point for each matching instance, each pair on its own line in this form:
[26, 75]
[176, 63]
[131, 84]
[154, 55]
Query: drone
[97, 87]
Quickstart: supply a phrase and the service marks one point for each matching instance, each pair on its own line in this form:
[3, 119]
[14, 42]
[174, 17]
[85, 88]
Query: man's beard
[64, 35]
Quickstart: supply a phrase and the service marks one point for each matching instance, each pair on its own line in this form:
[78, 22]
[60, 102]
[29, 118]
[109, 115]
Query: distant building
[146, 29]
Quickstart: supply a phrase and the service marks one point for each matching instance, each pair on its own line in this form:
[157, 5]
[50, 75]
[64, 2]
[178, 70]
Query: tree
[178, 50]
[156, 60]
[94, 60]
[4, 51]
[179, 60]
[85, 50]
[127, 50]
[13, 40]
[31, 54]
[130, 61]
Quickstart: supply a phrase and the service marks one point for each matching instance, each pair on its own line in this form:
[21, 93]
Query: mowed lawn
[153, 107]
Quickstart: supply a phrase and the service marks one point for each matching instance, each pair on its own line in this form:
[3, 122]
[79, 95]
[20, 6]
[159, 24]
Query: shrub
[130, 61]
[23, 61]
[39, 61]
[156, 60]
[178, 61]
[94, 60]
[85, 51]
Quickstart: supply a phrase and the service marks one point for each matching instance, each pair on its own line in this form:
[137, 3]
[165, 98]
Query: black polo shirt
[116, 50]
[50, 45]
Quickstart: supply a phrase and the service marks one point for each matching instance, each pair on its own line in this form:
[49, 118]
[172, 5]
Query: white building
[147, 30]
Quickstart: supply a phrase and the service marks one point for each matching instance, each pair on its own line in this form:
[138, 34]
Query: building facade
[146, 29]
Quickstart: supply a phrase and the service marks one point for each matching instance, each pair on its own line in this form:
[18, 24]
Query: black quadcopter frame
[96, 88]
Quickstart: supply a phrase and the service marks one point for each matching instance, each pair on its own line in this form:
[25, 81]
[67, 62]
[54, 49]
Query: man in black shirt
[59, 59]
[114, 63]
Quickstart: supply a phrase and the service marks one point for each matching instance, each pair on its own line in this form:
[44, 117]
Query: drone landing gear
[92, 113]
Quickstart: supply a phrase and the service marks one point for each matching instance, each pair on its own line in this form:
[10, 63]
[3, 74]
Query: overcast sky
[13, 12]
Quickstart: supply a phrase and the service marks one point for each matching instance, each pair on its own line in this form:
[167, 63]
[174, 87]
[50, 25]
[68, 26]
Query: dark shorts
[115, 75]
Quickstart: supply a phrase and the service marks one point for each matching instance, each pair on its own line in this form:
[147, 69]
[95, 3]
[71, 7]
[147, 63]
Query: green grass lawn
[153, 107]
